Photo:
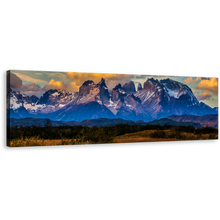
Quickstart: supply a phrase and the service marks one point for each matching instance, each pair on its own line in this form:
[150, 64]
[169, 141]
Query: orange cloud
[210, 85]
[191, 80]
[111, 79]
[54, 84]
[71, 86]
[203, 96]
[29, 87]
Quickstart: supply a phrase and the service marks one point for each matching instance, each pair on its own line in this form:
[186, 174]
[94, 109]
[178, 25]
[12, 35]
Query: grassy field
[146, 136]
[35, 141]
[142, 136]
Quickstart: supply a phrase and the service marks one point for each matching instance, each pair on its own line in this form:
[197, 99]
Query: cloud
[54, 84]
[210, 85]
[191, 80]
[29, 78]
[13, 81]
[36, 93]
[71, 86]
[140, 77]
[61, 76]
[111, 79]
[30, 87]
[205, 95]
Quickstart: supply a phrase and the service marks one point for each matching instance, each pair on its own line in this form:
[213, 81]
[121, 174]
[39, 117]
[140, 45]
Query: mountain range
[98, 122]
[206, 120]
[155, 99]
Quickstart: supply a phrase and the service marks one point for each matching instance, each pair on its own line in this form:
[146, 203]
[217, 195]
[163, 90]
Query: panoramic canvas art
[72, 108]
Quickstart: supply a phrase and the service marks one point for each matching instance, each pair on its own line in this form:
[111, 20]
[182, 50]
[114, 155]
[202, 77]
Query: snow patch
[61, 105]
[13, 103]
[55, 94]
[150, 82]
[34, 107]
[130, 106]
[111, 103]
[121, 91]
[172, 93]
[99, 102]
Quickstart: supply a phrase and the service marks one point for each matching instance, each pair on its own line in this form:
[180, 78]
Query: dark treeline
[96, 134]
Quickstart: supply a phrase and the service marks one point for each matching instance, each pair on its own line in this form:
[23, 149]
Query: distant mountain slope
[108, 122]
[73, 112]
[90, 123]
[38, 121]
[12, 114]
[22, 112]
[167, 121]
[98, 122]
[216, 109]
[206, 120]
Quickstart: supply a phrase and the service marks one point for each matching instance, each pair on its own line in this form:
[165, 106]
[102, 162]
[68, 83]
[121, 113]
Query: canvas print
[73, 108]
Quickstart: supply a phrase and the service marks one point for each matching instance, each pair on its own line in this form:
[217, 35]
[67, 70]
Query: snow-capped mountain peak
[16, 99]
[166, 97]
[176, 89]
[51, 100]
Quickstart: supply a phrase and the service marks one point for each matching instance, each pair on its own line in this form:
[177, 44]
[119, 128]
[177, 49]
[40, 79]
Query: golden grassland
[145, 136]
[133, 139]
[35, 141]
[142, 136]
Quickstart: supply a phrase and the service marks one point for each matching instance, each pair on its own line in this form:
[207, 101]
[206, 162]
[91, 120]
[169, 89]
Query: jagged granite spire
[129, 87]
[139, 87]
[102, 82]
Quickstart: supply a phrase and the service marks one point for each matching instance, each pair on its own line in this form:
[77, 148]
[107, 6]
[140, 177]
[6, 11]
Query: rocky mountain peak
[155, 82]
[129, 87]
[102, 82]
[118, 92]
[139, 87]
[88, 82]
[171, 84]
[177, 89]
[90, 92]
[152, 80]
[149, 85]
[117, 87]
